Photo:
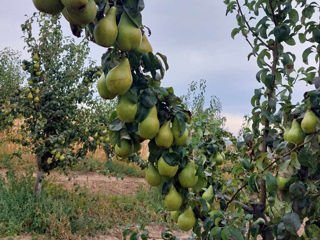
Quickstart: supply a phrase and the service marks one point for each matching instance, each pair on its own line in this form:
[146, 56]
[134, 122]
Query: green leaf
[116, 125]
[292, 223]
[308, 11]
[302, 37]
[271, 182]
[164, 59]
[306, 54]
[252, 182]
[291, 42]
[234, 32]
[231, 233]
[294, 16]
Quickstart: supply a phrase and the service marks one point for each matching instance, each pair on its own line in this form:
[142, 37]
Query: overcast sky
[196, 40]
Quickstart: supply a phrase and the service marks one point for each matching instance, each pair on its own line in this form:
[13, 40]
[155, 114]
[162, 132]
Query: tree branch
[249, 27]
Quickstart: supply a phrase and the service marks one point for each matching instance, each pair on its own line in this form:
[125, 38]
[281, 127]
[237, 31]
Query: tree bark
[40, 176]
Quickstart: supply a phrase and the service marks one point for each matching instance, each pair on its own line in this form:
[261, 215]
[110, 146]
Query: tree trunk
[40, 176]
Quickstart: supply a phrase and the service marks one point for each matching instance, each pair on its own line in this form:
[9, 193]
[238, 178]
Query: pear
[129, 36]
[119, 79]
[174, 215]
[282, 182]
[75, 4]
[219, 158]
[165, 137]
[173, 200]
[165, 169]
[186, 220]
[187, 176]
[106, 30]
[201, 183]
[149, 127]
[309, 122]
[125, 148]
[102, 88]
[145, 46]
[208, 194]
[179, 139]
[295, 135]
[126, 109]
[49, 6]
[152, 176]
[83, 15]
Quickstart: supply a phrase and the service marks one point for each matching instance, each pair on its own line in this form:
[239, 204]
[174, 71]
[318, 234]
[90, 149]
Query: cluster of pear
[296, 135]
[125, 35]
[35, 70]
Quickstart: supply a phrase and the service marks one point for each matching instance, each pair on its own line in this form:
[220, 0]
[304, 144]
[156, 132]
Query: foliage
[11, 77]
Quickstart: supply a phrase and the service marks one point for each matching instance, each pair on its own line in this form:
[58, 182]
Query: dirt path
[95, 182]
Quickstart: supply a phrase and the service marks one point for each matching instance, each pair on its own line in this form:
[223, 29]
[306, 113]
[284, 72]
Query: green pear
[309, 122]
[119, 79]
[106, 30]
[179, 139]
[149, 127]
[285, 134]
[187, 176]
[145, 46]
[201, 183]
[102, 88]
[173, 200]
[48, 6]
[125, 148]
[218, 158]
[165, 137]
[295, 135]
[85, 14]
[66, 15]
[208, 194]
[282, 182]
[75, 4]
[126, 109]
[152, 176]
[174, 215]
[186, 220]
[129, 36]
[165, 169]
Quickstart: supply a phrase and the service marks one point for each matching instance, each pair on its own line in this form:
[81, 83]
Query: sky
[196, 41]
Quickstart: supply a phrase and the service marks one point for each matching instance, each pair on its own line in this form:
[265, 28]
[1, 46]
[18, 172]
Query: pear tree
[58, 93]
[265, 184]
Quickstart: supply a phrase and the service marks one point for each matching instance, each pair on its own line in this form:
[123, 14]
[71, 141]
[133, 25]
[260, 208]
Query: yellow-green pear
[49, 6]
[129, 36]
[295, 135]
[173, 200]
[219, 158]
[187, 177]
[309, 122]
[119, 79]
[125, 148]
[165, 137]
[282, 182]
[126, 109]
[84, 15]
[186, 220]
[145, 46]
[165, 169]
[75, 4]
[201, 183]
[174, 215]
[179, 139]
[102, 88]
[149, 127]
[106, 30]
[208, 194]
[152, 176]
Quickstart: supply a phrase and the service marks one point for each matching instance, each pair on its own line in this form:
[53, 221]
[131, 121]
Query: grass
[109, 167]
[60, 214]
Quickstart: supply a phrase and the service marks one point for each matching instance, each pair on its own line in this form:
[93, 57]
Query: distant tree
[11, 77]
[59, 92]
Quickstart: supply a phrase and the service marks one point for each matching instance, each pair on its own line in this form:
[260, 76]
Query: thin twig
[249, 27]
